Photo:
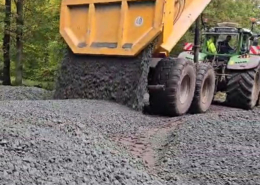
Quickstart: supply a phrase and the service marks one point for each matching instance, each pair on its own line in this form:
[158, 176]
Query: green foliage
[43, 45]
[239, 11]
[42, 42]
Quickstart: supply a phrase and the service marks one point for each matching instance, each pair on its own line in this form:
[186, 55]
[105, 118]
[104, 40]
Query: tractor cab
[223, 42]
[227, 39]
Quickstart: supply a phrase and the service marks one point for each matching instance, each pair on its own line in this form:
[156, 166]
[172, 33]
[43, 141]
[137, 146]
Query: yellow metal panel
[110, 27]
[169, 15]
[192, 9]
[91, 25]
[107, 19]
[139, 20]
[125, 27]
[123, 24]
[78, 23]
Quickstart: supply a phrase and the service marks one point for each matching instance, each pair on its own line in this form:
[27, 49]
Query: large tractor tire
[178, 78]
[243, 89]
[205, 88]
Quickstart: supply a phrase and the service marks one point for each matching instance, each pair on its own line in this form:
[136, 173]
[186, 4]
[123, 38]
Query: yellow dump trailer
[111, 44]
[126, 27]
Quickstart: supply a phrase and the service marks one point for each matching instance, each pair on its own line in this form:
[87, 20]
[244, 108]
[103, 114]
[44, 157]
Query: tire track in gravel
[143, 145]
[146, 142]
[219, 147]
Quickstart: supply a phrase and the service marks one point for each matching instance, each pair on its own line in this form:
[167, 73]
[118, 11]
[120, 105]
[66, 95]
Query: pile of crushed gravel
[214, 148]
[24, 93]
[68, 142]
[121, 79]
[59, 142]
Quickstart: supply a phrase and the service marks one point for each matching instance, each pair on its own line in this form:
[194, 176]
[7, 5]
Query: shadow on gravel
[217, 106]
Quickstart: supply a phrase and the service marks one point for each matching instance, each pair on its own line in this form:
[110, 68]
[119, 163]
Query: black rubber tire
[171, 73]
[204, 90]
[243, 89]
[150, 75]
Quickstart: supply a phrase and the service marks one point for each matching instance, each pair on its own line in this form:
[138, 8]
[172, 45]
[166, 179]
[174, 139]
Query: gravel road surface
[24, 93]
[41, 143]
[98, 142]
[217, 148]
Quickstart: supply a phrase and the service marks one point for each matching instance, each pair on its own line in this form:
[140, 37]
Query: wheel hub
[185, 89]
[256, 88]
[205, 91]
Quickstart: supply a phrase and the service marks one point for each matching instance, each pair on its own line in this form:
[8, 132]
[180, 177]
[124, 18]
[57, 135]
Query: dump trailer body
[126, 27]
[111, 44]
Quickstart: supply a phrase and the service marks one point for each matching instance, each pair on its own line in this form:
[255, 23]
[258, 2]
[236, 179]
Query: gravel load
[121, 79]
[214, 148]
[54, 142]
[24, 93]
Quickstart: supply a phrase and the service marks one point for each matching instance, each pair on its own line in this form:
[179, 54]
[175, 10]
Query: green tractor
[226, 62]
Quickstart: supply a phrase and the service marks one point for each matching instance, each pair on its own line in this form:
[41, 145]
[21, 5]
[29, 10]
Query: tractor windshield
[222, 44]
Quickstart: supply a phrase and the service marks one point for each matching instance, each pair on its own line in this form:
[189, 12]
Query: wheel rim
[256, 88]
[185, 89]
[205, 91]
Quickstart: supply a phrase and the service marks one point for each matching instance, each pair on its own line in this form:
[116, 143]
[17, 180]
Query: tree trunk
[6, 44]
[19, 42]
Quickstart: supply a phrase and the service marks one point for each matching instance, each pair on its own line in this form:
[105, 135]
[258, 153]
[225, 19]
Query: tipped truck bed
[125, 27]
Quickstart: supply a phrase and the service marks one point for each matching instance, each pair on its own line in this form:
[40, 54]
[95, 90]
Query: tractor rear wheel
[178, 77]
[243, 89]
[205, 87]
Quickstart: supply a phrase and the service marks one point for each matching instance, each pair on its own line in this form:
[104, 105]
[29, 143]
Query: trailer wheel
[205, 87]
[178, 77]
[150, 75]
[243, 89]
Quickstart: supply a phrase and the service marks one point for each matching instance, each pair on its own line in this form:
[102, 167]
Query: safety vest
[211, 46]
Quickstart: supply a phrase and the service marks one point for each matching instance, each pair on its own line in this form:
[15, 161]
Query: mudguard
[188, 55]
[240, 63]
